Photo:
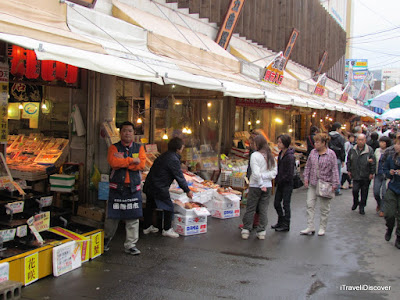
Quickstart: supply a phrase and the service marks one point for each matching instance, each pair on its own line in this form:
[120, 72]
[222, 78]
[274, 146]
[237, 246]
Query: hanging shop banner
[4, 75]
[320, 86]
[31, 268]
[321, 65]
[290, 45]
[232, 16]
[22, 92]
[273, 72]
[345, 94]
[260, 103]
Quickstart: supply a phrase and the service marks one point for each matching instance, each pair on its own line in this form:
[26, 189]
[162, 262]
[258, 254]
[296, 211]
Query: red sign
[274, 71]
[232, 15]
[320, 86]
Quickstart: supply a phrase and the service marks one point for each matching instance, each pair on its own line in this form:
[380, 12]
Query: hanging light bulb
[290, 130]
[44, 106]
[165, 136]
[249, 123]
[20, 106]
[209, 104]
[189, 131]
[139, 120]
[184, 130]
[258, 122]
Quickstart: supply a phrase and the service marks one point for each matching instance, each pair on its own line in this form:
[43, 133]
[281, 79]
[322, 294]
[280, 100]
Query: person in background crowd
[263, 168]
[380, 179]
[392, 196]
[347, 146]
[165, 169]
[310, 139]
[357, 130]
[322, 160]
[373, 142]
[361, 167]
[336, 143]
[126, 159]
[284, 183]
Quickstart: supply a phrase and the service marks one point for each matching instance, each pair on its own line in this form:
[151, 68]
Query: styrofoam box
[194, 212]
[183, 225]
[216, 204]
[62, 180]
[188, 220]
[225, 213]
[60, 188]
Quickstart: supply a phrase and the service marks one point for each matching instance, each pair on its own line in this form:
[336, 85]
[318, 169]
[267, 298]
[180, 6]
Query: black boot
[355, 204]
[278, 224]
[397, 243]
[388, 234]
[284, 227]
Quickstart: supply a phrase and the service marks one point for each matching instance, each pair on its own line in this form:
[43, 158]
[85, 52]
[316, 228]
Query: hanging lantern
[48, 70]
[72, 74]
[61, 70]
[18, 61]
[32, 65]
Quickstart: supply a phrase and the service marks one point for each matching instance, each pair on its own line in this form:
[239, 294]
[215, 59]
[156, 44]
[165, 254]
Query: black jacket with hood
[337, 145]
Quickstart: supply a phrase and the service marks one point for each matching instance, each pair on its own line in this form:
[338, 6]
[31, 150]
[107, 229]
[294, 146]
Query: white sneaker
[308, 231]
[245, 234]
[170, 233]
[151, 229]
[321, 232]
[261, 235]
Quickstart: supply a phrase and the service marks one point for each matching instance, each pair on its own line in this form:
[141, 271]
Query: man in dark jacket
[165, 169]
[337, 145]
[361, 167]
[310, 139]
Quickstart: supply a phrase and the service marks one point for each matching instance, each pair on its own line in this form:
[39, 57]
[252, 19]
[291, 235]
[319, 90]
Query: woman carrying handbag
[321, 177]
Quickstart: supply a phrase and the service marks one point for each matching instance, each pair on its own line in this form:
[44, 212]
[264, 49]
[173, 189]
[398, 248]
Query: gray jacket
[358, 164]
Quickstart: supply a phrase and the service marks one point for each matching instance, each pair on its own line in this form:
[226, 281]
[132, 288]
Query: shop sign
[4, 271]
[21, 92]
[41, 221]
[232, 16]
[66, 257]
[3, 102]
[15, 207]
[345, 94]
[95, 240]
[274, 70]
[356, 64]
[290, 45]
[320, 86]
[31, 268]
[321, 65]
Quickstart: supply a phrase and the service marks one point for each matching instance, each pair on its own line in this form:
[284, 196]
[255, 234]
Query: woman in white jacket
[264, 170]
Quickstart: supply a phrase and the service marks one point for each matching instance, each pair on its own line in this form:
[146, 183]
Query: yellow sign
[42, 221]
[95, 248]
[274, 71]
[31, 268]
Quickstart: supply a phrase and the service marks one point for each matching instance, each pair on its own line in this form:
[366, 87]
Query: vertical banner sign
[345, 94]
[232, 16]
[95, 240]
[31, 268]
[321, 65]
[3, 102]
[273, 72]
[320, 86]
[290, 45]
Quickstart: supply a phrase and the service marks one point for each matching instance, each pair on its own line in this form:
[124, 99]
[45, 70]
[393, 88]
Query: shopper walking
[336, 143]
[264, 170]
[310, 139]
[166, 168]
[361, 167]
[380, 178]
[126, 159]
[347, 146]
[392, 196]
[284, 183]
[321, 164]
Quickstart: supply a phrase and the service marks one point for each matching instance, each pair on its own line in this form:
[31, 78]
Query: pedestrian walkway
[219, 264]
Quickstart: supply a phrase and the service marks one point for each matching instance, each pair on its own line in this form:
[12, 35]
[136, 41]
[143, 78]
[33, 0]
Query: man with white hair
[361, 168]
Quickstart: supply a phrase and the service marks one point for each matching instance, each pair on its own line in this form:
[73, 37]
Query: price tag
[46, 201]
[31, 268]
[15, 207]
[22, 231]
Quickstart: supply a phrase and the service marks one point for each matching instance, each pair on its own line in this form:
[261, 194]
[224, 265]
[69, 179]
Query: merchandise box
[187, 220]
[61, 188]
[91, 212]
[62, 180]
[194, 212]
[185, 226]
[225, 213]
[224, 205]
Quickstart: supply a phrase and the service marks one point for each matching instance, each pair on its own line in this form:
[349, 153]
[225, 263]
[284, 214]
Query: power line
[375, 51]
[374, 33]
[376, 40]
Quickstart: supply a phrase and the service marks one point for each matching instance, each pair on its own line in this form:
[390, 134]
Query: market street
[219, 264]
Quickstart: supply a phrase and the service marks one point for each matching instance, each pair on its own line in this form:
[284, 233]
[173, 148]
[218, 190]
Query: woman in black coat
[284, 183]
[166, 168]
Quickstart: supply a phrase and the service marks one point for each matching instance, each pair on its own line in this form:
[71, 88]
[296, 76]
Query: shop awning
[43, 21]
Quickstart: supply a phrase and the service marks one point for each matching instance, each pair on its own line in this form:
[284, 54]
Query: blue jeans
[339, 164]
[380, 190]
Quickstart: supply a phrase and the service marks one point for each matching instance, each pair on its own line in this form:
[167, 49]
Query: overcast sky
[371, 16]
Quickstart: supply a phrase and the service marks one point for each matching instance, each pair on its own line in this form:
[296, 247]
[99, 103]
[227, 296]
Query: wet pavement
[220, 265]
